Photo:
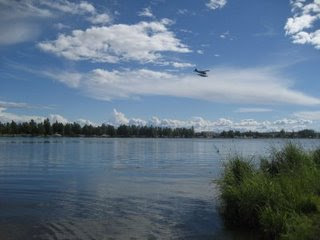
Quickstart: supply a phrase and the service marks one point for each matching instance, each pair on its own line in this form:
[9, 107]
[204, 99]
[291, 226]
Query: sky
[132, 62]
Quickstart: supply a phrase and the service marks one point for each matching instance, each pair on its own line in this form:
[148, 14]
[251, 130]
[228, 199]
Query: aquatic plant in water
[280, 198]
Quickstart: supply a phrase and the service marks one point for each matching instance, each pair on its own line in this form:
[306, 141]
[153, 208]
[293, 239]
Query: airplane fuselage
[201, 73]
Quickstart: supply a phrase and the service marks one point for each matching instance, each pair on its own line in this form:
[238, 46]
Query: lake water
[77, 188]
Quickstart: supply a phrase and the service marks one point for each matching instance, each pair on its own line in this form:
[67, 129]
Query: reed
[280, 197]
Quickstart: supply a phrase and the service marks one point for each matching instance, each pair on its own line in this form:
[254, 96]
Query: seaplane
[201, 73]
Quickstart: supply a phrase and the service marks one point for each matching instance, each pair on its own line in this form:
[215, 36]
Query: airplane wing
[202, 75]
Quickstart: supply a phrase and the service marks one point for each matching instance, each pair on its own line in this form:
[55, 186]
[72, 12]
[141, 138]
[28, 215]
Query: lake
[94, 188]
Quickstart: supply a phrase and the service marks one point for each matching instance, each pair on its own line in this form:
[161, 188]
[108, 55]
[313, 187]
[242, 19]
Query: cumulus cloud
[224, 84]
[83, 122]
[6, 116]
[142, 42]
[296, 24]
[216, 4]
[201, 124]
[119, 118]
[57, 118]
[300, 27]
[253, 110]
[146, 12]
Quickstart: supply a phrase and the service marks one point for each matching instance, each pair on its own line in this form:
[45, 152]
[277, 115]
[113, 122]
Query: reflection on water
[73, 188]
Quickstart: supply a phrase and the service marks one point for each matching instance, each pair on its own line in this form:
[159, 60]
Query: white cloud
[143, 42]
[57, 118]
[311, 38]
[182, 65]
[13, 10]
[19, 20]
[252, 85]
[310, 115]
[301, 27]
[71, 79]
[253, 110]
[201, 124]
[200, 51]
[226, 35]
[296, 24]
[61, 26]
[16, 23]
[286, 121]
[70, 7]
[4, 104]
[100, 18]
[78, 8]
[182, 11]
[146, 12]
[14, 33]
[83, 122]
[119, 118]
[215, 4]
[8, 117]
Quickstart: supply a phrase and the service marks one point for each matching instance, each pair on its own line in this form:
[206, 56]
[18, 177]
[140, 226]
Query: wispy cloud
[22, 105]
[4, 104]
[70, 7]
[13, 33]
[216, 4]
[19, 20]
[253, 110]
[268, 31]
[183, 11]
[224, 84]
[310, 115]
[60, 26]
[146, 12]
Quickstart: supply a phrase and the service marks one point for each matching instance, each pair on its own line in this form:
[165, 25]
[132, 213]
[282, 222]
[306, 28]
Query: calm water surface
[75, 188]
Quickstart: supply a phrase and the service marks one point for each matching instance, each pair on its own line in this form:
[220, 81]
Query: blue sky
[132, 62]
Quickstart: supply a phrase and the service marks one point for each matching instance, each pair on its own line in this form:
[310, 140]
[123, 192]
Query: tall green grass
[280, 198]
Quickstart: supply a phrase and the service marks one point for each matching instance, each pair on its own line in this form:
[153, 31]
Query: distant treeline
[46, 128]
[306, 133]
